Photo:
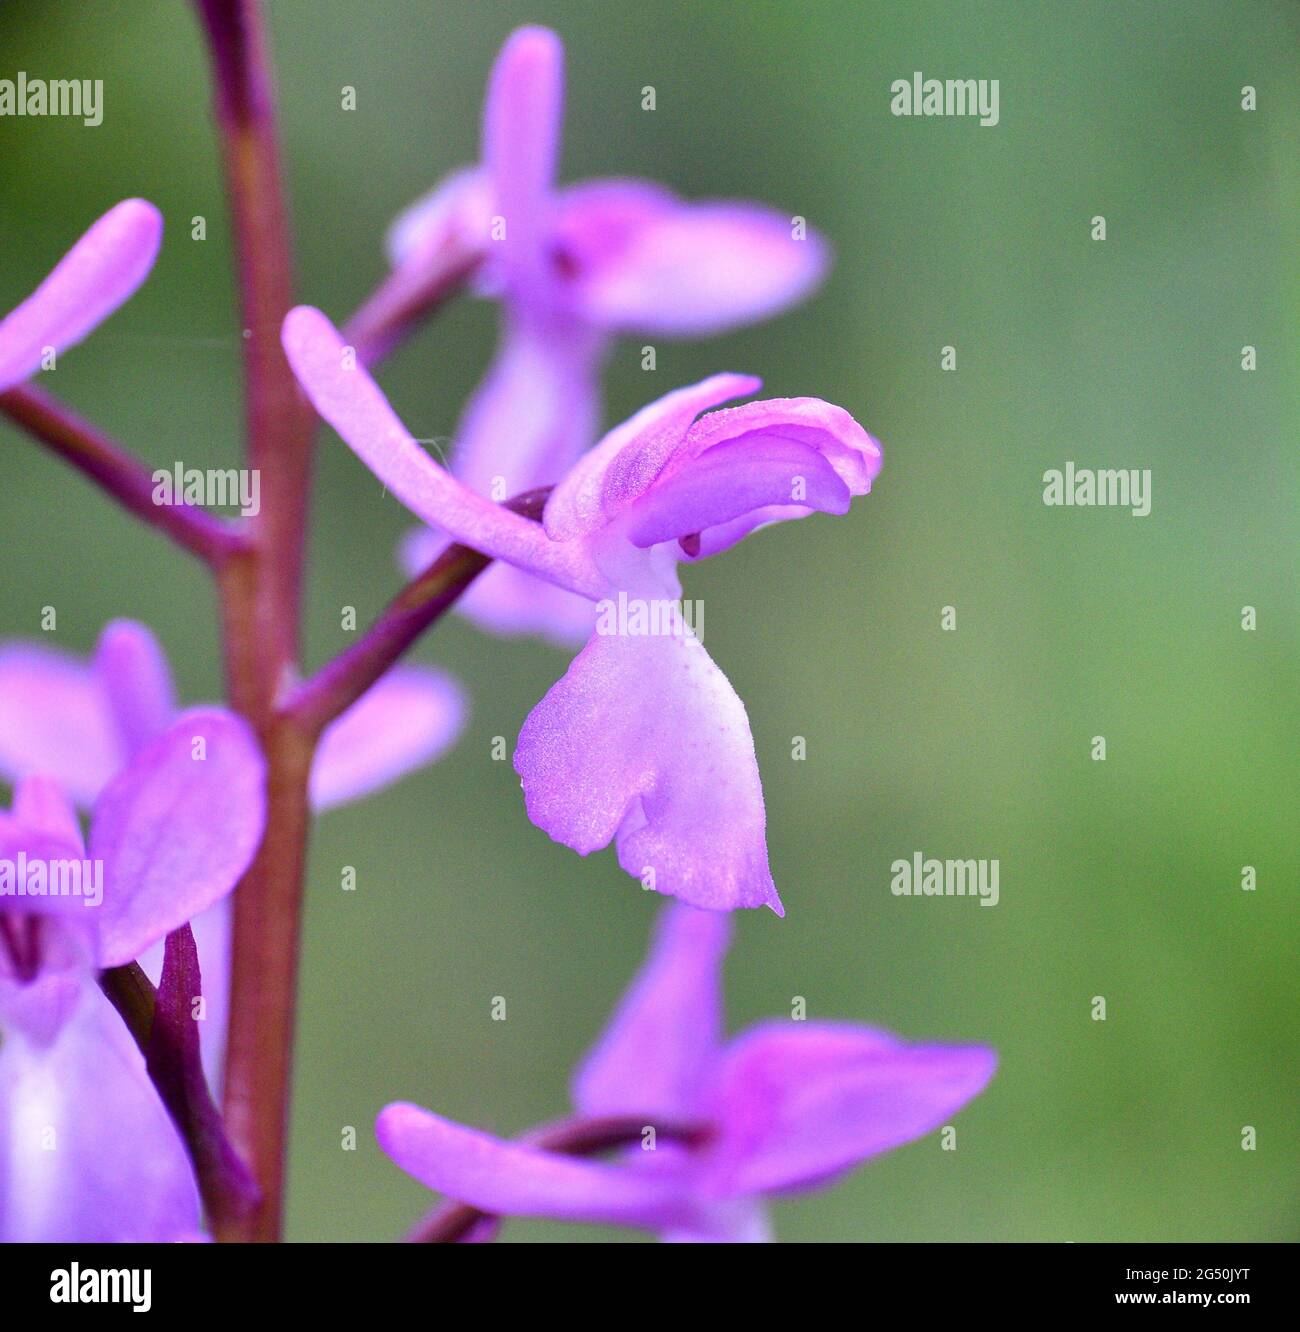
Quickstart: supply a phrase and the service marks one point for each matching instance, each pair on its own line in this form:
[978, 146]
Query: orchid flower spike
[573, 268]
[784, 1107]
[82, 722]
[170, 835]
[101, 271]
[643, 741]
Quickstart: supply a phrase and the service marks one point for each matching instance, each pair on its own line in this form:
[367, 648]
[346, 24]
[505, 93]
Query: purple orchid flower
[643, 740]
[89, 1152]
[101, 271]
[783, 1107]
[81, 723]
[574, 268]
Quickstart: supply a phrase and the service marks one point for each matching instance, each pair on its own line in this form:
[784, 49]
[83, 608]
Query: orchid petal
[433, 245]
[351, 401]
[100, 272]
[735, 1221]
[521, 139]
[455, 214]
[408, 719]
[596, 221]
[645, 738]
[38, 1010]
[42, 805]
[54, 719]
[528, 423]
[176, 828]
[829, 429]
[746, 467]
[626, 462]
[722, 536]
[57, 933]
[53, 932]
[88, 1153]
[133, 673]
[648, 262]
[798, 1103]
[732, 480]
[654, 1056]
[535, 413]
[511, 1178]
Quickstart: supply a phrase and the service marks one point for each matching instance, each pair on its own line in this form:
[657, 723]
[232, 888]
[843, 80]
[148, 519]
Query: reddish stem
[280, 422]
[261, 613]
[260, 594]
[264, 978]
[334, 688]
[125, 478]
[399, 303]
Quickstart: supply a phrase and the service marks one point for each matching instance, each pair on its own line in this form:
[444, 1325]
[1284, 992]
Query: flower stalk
[419, 605]
[261, 594]
[397, 306]
[261, 612]
[213, 540]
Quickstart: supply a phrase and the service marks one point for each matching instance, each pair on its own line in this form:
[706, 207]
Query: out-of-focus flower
[101, 271]
[783, 1107]
[81, 722]
[89, 1152]
[643, 740]
[574, 267]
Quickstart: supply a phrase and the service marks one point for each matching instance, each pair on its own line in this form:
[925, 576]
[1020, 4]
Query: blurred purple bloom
[643, 740]
[80, 723]
[785, 1106]
[90, 1153]
[574, 267]
[101, 271]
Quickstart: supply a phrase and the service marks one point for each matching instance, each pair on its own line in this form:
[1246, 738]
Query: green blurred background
[1119, 879]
